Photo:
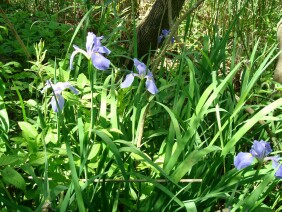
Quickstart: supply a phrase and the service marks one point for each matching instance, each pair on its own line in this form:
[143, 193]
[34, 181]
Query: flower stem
[92, 78]
[137, 111]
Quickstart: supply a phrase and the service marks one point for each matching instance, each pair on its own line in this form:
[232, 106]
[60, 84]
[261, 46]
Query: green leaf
[5, 29]
[191, 160]
[104, 99]
[94, 151]
[31, 103]
[11, 176]
[8, 159]
[12, 63]
[264, 209]
[190, 206]
[37, 159]
[51, 136]
[82, 81]
[28, 129]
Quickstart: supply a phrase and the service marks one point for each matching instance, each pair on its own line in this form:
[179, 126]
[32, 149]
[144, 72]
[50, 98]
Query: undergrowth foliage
[82, 132]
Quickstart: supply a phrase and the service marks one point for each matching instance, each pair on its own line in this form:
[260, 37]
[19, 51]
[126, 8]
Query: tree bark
[278, 70]
[158, 19]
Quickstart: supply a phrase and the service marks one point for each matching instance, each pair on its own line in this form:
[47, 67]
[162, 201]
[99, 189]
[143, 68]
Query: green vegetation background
[216, 96]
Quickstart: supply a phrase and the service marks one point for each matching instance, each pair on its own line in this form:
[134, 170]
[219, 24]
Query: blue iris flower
[164, 34]
[58, 89]
[260, 150]
[94, 51]
[142, 70]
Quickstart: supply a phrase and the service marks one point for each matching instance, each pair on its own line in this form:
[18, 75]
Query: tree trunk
[157, 20]
[278, 70]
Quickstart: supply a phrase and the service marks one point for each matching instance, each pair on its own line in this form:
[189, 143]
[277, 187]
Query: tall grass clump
[81, 131]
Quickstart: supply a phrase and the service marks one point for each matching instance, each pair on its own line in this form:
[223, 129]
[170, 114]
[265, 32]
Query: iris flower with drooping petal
[142, 70]
[58, 88]
[94, 51]
[259, 150]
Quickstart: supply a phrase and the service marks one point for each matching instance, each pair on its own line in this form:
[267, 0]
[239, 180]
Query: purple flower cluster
[260, 150]
[95, 52]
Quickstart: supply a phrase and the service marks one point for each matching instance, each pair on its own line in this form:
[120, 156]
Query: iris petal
[60, 86]
[278, 173]
[90, 41]
[97, 41]
[73, 90]
[100, 62]
[72, 56]
[275, 161]
[141, 67]
[47, 85]
[160, 38]
[128, 81]
[243, 160]
[165, 32]
[151, 86]
[60, 100]
[103, 50]
[260, 149]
